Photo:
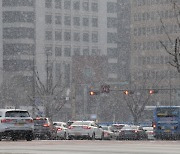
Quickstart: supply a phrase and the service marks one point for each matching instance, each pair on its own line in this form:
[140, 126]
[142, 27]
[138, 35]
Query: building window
[58, 51]
[111, 7]
[67, 20]
[48, 19]
[76, 21]
[48, 50]
[76, 5]
[95, 37]
[86, 37]
[94, 7]
[58, 20]
[86, 51]
[67, 51]
[67, 4]
[111, 22]
[48, 3]
[111, 37]
[85, 21]
[58, 35]
[77, 51]
[58, 4]
[94, 22]
[48, 35]
[95, 51]
[76, 36]
[85, 6]
[67, 36]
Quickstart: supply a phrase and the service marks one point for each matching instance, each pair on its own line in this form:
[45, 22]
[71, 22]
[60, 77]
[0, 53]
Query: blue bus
[166, 122]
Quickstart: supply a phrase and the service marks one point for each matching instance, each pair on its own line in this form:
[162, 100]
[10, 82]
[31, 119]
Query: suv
[16, 124]
[44, 128]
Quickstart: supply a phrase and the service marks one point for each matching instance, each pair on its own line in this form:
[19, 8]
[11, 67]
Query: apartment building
[151, 21]
[37, 34]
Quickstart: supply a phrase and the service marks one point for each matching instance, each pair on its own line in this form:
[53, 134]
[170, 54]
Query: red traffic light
[152, 91]
[126, 92]
[93, 93]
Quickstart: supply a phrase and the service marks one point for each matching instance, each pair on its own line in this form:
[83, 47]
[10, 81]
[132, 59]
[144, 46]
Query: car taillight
[59, 129]
[29, 120]
[6, 120]
[46, 125]
[153, 124]
[86, 127]
[70, 127]
[106, 133]
[135, 131]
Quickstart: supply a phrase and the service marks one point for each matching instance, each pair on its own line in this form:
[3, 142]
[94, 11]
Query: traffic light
[105, 88]
[93, 93]
[127, 92]
[153, 91]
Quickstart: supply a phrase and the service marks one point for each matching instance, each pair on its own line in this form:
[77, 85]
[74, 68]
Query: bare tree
[51, 93]
[174, 52]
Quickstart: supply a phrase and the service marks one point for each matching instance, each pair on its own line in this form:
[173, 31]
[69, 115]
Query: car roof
[4, 110]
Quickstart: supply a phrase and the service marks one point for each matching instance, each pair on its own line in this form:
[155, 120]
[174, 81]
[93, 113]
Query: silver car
[61, 130]
[16, 124]
[85, 129]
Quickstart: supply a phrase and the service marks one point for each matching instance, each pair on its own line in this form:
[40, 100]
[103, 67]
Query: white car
[150, 132]
[16, 124]
[85, 129]
[61, 130]
[108, 133]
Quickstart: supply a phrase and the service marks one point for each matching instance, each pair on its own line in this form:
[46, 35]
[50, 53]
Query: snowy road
[90, 147]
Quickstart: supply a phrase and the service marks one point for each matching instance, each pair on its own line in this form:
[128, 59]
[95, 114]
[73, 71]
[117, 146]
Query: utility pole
[33, 86]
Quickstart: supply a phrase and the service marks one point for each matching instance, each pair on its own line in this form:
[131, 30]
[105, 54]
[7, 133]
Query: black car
[44, 128]
[132, 132]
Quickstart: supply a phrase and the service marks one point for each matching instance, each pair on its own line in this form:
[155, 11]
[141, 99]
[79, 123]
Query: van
[16, 124]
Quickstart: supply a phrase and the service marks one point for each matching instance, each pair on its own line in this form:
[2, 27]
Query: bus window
[167, 112]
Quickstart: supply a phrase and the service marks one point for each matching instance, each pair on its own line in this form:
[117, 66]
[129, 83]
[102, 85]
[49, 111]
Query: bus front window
[167, 112]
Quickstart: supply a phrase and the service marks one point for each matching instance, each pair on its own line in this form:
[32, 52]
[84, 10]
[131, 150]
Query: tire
[102, 136]
[93, 136]
[65, 136]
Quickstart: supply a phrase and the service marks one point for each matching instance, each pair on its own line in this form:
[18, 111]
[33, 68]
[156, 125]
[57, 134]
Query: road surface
[89, 147]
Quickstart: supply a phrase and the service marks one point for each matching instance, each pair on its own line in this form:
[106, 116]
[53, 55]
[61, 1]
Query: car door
[98, 131]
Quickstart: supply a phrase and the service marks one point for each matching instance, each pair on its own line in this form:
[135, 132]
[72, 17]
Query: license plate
[167, 131]
[77, 134]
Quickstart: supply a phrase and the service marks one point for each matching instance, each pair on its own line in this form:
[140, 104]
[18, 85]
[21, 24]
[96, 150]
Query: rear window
[40, 121]
[81, 123]
[17, 114]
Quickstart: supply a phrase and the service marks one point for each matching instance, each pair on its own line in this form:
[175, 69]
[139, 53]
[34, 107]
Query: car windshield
[117, 127]
[17, 114]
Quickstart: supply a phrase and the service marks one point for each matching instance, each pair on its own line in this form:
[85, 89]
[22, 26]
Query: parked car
[116, 128]
[44, 128]
[108, 133]
[149, 132]
[132, 132]
[61, 128]
[85, 129]
[16, 124]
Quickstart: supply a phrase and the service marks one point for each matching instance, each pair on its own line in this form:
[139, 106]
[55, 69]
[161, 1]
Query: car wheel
[65, 136]
[29, 137]
[102, 136]
[93, 136]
